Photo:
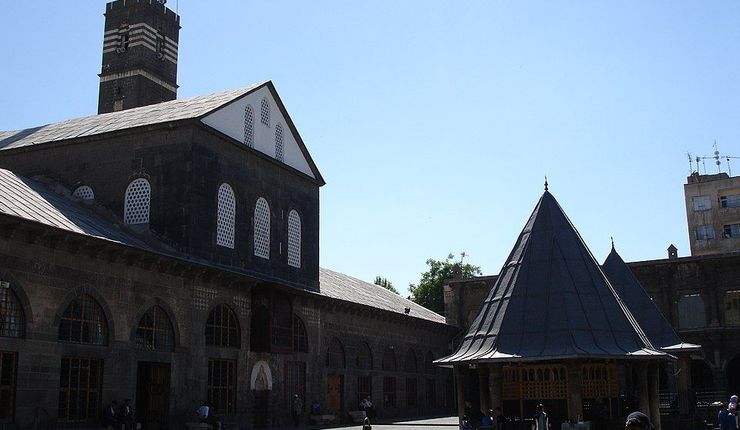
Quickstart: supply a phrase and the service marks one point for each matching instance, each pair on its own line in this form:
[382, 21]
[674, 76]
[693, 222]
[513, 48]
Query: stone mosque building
[166, 251]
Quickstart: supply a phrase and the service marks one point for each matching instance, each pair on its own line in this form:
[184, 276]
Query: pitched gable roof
[647, 314]
[551, 301]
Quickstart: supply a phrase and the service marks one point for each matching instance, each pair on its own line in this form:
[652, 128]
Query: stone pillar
[460, 382]
[641, 380]
[684, 380]
[485, 394]
[654, 393]
[575, 400]
[496, 385]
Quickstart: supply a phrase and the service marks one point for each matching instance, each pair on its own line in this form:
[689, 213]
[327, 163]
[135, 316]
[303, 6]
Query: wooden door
[334, 394]
[153, 395]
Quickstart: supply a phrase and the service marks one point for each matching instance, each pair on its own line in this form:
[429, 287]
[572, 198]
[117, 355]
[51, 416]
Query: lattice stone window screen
[279, 154]
[136, 205]
[294, 239]
[12, 320]
[84, 192]
[225, 216]
[249, 126]
[262, 228]
[265, 112]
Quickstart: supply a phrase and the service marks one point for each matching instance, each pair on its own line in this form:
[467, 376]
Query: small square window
[730, 201]
[731, 231]
[704, 232]
[701, 203]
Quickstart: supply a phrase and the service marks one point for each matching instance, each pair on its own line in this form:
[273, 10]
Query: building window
[155, 332]
[123, 39]
[389, 392]
[265, 112]
[295, 381]
[300, 338]
[431, 393]
[294, 239]
[222, 385]
[83, 192]
[222, 328]
[731, 231]
[12, 319]
[8, 372]
[732, 308]
[364, 387]
[335, 355]
[730, 201]
[409, 364]
[411, 392]
[704, 232]
[136, 205]
[262, 228]
[79, 389]
[282, 324]
[279, 154]
[364, 358]
[691, 312]
[429, 367]
[701, 203]
[389, 360]
[249, 126]
[84, 322]
[225, 216]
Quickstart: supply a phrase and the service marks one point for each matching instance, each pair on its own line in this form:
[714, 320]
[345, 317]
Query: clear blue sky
[435, 122]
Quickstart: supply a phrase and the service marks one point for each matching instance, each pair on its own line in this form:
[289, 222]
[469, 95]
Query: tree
[385, 283]
[428, 292]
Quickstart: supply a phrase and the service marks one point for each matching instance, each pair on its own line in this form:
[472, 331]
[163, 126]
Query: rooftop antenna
[691, 163]
[462, 257]
[716, 156]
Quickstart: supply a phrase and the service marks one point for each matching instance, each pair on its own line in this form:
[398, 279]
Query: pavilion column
[684, 379]
[460, 380]
[641, 380]
[495, 385]
[575, 399]
[485, 394]
[654, 393]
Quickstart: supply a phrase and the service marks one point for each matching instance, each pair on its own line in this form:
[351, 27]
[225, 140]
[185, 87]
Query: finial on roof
[545, 183]
[612, 243]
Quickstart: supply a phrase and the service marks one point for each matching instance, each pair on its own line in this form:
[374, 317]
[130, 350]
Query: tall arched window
[249, 126]
[364, 358]
[389, 360]
[84, 192]
[300, 338]
[262, 228]
[12, 319]
[222, 327]
[136, 204]
[155, 331]
[335, 355]
[409, 364]
[84, 322]
[225, 215]
[279, 154]
[294, 239]
[265, 112]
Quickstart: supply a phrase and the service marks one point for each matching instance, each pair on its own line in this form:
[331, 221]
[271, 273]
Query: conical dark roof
[551, 301]
[647, 314]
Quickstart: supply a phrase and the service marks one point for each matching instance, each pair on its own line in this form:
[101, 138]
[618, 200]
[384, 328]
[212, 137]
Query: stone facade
[713, 213]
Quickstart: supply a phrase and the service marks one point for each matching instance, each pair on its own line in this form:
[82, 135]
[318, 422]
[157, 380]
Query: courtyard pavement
[444, 423]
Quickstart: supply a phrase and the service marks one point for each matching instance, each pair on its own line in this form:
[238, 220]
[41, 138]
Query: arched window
[389, 360]
[155, 331]
[84, 322]
[691, 313]
[265, 112]
[409, 363]
[335, 355]
[12, 319]
[364, 359]
[136, 205]
[249, 126]
[262, 228]
[300, 338]
[83, 192]
[222, 328]
[225, 215]
[294, 239]
[279, 154]
[429, 366]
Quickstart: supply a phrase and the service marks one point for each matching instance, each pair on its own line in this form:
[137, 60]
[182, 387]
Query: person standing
[297, 409]
[126, 415]
[110, 417]
[541, 420]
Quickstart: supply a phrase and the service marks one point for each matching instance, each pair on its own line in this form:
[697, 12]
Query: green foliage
[385, 283]
[428, 292]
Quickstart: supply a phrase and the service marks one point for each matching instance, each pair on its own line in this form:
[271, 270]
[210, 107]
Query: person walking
[126, 415]
[297, 409]
[110, 416]
[638, 421]
[541, 420]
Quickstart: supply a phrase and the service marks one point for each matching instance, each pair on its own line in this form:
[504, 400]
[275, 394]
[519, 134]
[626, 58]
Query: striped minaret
[139, 55]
